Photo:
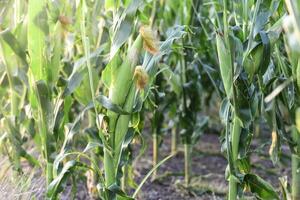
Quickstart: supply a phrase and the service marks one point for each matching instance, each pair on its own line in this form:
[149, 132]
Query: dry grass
[30, 185]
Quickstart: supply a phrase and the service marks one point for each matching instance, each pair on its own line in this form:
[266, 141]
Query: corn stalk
[238, 76]
[292, 27]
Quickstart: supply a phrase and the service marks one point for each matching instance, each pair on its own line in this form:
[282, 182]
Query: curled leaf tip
[150, 40]
[141, 77]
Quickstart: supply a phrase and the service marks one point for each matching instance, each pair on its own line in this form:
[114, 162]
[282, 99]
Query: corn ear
[121, 92]
[141, 77]
[123, 78]
[150, 40]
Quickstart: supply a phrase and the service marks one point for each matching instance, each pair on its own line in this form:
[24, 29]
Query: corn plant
[182, 86]
[238, 67]
[39, 80]
[157, 120]
[79, 80]
[291, 74]
[14, 59]
[140, 76]
[127, 85]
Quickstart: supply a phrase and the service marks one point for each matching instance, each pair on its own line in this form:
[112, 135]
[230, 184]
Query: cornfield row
[85, 81]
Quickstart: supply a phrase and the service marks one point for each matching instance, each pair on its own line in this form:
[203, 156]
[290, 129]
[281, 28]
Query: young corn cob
[128, 80]
[121, 93]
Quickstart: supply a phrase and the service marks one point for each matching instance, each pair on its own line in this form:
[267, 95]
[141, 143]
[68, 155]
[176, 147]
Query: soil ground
[208, 170]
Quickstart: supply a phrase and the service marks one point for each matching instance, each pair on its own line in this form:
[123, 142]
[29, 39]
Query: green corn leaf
[262, 189]
[37, 32]
[9, 59]
[106, 103]
[150, 61]
[111, 70]
[73, 128]
[128, 138]
[172, 78]
[244, 165]
[83, 92]
[251, 63]
[115, 189]
[92, 145]
[56, 52]
[259, 57]
[120, 36]
[14, 44]
[265, 60]
[44, 97]
[213, 75]
[123, 25]
[224, 111]
[79, 70]
[55, 186]
[225, 65]
[74, 81]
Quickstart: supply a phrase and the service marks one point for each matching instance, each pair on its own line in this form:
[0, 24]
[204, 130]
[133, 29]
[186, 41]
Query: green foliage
[79, 80]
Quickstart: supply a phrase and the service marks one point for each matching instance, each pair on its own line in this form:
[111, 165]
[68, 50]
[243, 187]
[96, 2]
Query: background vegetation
[87, 85]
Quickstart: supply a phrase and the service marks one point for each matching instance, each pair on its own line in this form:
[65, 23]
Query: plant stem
[45, 139]
[257, 5]
[49, 172]
[296, 164]
[124, 178]
[232, 188]
[236, 127]
[109, 171]
[187, 163]
[155, 153]
[153, 12]
[235, 138]
[295, 177]
[174, 140]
